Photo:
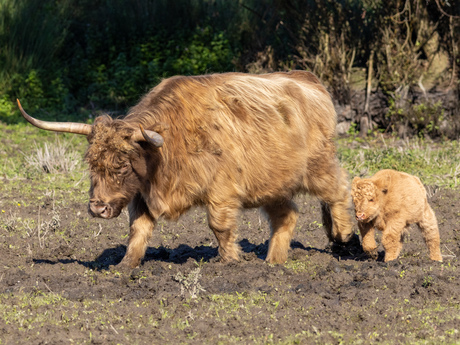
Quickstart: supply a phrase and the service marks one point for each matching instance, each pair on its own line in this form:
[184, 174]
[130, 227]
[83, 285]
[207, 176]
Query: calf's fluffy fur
[391, 201]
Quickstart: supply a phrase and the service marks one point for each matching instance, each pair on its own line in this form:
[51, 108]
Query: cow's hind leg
[430, 232]
[283, 218]
[222, 221]
[141, 226]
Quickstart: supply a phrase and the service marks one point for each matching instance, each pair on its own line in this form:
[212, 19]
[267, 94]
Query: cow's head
[117, 158]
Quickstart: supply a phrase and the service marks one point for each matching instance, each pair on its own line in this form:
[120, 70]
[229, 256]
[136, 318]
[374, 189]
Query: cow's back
[260, 131]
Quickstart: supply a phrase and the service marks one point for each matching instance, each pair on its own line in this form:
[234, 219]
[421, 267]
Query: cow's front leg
[330, 183]
[141, 226]
[283, 217]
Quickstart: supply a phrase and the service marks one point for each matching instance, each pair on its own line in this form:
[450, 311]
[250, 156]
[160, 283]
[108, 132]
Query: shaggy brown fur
[391, 201]
[231, 141]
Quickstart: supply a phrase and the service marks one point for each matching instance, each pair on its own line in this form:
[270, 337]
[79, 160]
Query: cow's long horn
[70, 127]
[149, 136]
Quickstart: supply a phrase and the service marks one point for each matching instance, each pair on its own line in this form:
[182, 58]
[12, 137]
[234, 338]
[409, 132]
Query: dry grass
[52, 158]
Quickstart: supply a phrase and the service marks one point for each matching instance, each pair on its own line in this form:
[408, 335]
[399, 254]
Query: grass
[436, 164]
[34, 163]
[57, 157]
[105, 316]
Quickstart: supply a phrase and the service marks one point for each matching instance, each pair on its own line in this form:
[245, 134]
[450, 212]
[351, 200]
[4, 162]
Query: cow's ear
[139, 166]
[145, 159]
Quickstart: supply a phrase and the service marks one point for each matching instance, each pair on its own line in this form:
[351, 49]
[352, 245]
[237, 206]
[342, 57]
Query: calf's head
[119, 157]
[366, 197]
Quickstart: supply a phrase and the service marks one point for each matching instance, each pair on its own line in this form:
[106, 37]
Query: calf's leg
[368, 239]
[392, 239]
[283, 218]
[430, 232]
[141, 226]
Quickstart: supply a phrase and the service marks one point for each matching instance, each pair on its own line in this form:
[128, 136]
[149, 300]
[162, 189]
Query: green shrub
[427, 118]
[419, 119]
[7, 113]
[206, 52]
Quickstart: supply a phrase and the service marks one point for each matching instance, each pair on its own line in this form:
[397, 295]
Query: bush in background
[66, 59]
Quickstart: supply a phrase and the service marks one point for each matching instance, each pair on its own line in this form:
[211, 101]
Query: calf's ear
[355, 181]
[386, 184]
[383, 184]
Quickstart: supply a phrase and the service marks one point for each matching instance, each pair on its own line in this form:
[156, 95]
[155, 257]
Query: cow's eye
[371, 200]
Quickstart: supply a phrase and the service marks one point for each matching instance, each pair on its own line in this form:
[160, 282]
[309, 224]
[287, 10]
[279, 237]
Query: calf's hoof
[389, 258]
[436, 258]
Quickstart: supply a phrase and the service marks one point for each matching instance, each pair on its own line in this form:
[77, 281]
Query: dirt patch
[58, 282]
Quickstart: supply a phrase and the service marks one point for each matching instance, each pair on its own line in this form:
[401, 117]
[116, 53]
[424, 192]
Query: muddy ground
[59, 285]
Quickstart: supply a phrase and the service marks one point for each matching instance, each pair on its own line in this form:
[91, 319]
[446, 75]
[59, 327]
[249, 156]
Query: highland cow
[391, 201]
[224, 141]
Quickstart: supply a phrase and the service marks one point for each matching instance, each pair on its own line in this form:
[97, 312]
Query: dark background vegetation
[68, 59]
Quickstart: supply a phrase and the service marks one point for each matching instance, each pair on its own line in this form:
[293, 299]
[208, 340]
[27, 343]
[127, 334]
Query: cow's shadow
[183, 253]
[179, 255]
[351, 250]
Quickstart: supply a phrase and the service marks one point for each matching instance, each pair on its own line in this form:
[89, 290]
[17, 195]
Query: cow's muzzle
[100, 209]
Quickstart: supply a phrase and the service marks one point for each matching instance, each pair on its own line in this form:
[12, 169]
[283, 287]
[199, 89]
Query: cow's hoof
[372, 254]
[122, 268]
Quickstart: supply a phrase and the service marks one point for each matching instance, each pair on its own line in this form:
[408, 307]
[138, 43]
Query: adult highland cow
[225, 141]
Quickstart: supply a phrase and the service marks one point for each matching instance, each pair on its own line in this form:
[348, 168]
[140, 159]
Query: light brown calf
[391, 201]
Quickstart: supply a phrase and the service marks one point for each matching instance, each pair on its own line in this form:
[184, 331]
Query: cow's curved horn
[70, 127]
[149, 136]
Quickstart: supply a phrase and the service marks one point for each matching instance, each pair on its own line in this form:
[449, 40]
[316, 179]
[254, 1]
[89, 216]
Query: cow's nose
[98, 209]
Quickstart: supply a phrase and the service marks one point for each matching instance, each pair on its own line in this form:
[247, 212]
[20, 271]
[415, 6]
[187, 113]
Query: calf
[391, 201]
